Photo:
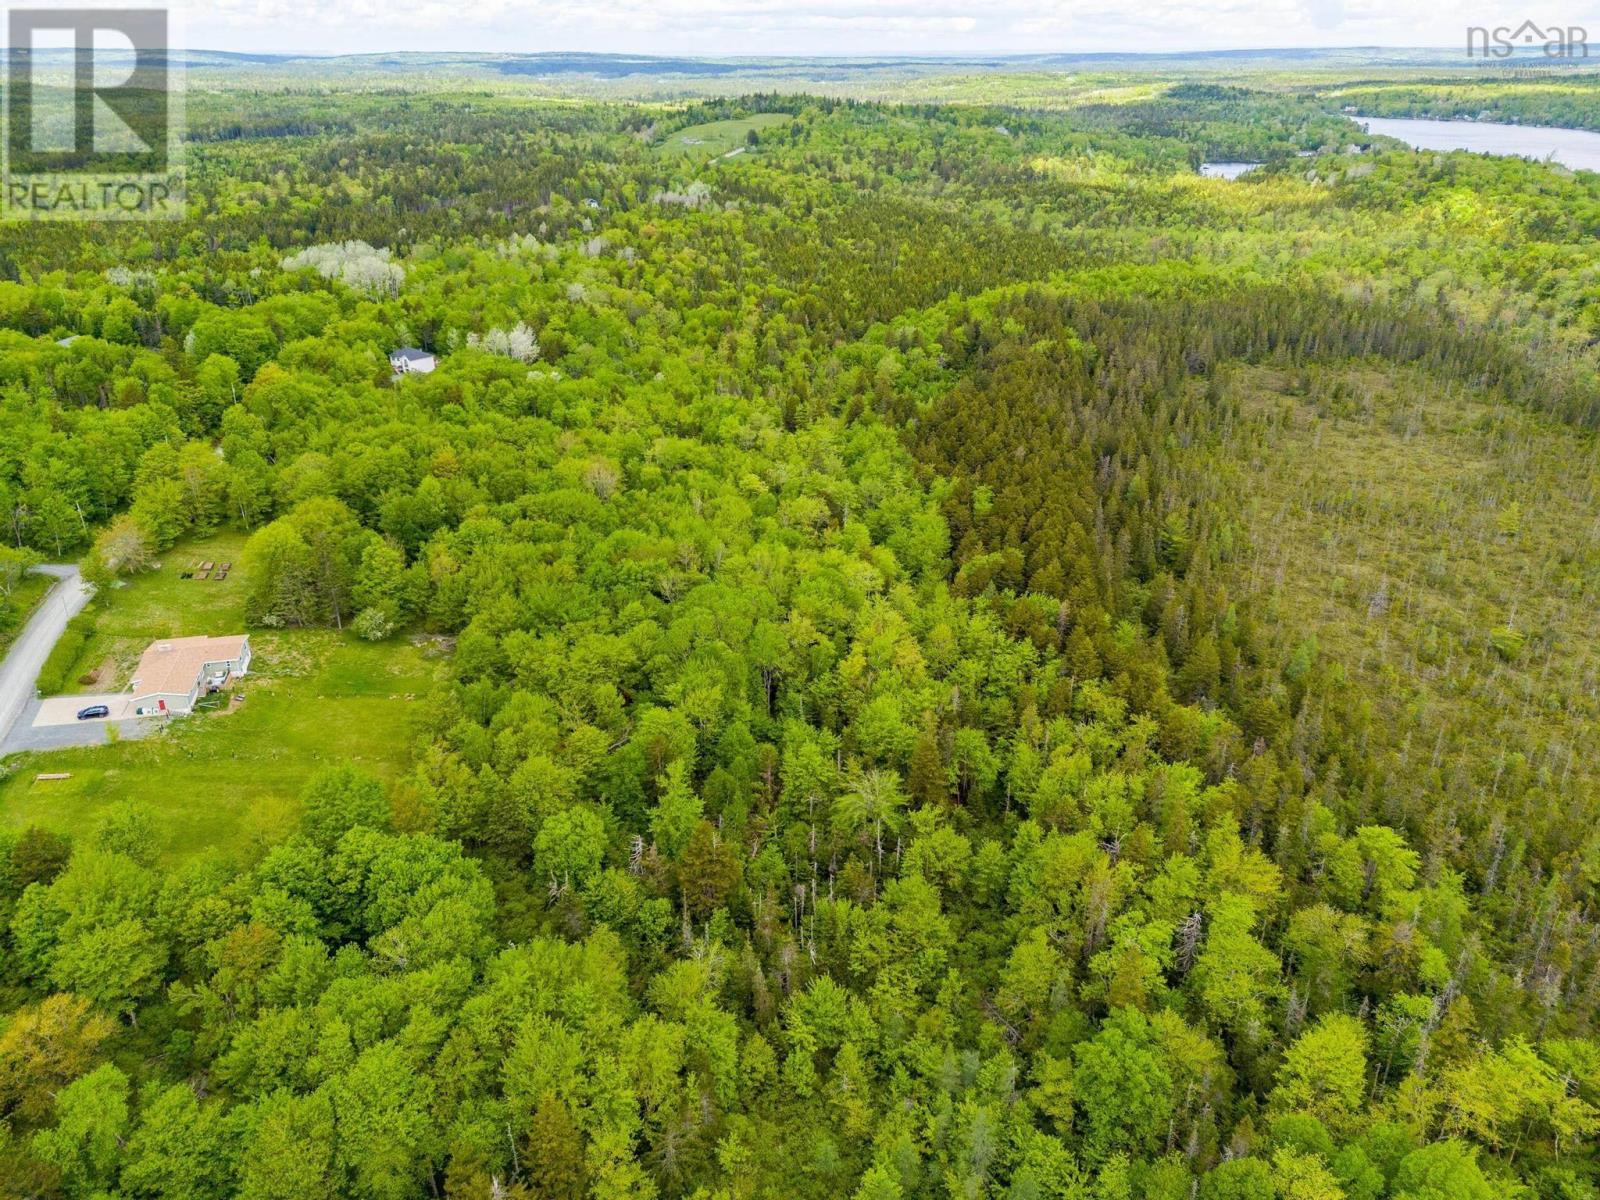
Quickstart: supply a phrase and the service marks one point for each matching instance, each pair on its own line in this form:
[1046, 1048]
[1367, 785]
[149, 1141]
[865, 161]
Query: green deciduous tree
[91, 1120]
[338, 799]
[1122, 1087]
[1325, 1070]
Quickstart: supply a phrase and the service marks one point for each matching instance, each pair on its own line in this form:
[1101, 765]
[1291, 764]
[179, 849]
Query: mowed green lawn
[717, 137]
[229, 780]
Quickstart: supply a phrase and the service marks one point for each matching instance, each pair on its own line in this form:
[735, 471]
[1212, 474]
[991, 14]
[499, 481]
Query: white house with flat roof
[408, 360]
[173, 674]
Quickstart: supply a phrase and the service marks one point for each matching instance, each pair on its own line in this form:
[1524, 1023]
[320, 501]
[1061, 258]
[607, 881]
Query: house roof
[409, 353]
[174, 666]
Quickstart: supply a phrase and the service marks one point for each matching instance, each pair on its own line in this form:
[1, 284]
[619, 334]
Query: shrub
[372, 624]
[1507, 642]
[64, 656]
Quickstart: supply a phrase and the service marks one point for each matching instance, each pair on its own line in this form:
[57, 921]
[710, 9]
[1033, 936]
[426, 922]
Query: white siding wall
[176, 703]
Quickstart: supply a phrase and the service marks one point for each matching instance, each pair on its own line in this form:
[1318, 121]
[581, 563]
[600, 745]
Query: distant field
[717, 137]
[227, 780]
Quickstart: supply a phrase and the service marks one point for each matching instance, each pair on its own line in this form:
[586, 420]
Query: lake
[1575, 148]
[1227, 170]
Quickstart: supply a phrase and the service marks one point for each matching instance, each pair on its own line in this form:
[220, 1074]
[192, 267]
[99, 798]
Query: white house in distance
[408, 360]
[173, 674]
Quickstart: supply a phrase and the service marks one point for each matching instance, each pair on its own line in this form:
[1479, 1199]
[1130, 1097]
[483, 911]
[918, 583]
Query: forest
[907, 650]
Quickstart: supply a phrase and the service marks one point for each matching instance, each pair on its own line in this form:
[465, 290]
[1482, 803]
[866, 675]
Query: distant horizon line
[618, 65]
[903, 56]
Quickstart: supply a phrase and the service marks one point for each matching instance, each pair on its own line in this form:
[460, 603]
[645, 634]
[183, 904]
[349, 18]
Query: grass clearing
[717, 138]
[228, 780]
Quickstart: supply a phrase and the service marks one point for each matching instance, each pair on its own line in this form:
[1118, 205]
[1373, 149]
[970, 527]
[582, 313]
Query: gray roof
[409, 353]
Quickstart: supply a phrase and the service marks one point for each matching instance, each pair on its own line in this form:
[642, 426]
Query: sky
[845, 27]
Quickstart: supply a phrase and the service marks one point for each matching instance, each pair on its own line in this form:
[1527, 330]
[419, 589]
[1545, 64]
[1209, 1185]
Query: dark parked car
[94, 710]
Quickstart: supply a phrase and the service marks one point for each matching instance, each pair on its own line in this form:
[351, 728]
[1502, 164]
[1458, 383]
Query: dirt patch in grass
[280, 656]
[434, 645]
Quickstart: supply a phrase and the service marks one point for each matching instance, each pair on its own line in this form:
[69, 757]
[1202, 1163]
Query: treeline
[1231, 124]
[1566, 98]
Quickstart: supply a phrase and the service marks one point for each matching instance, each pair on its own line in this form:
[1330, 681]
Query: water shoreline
[1575, 149]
